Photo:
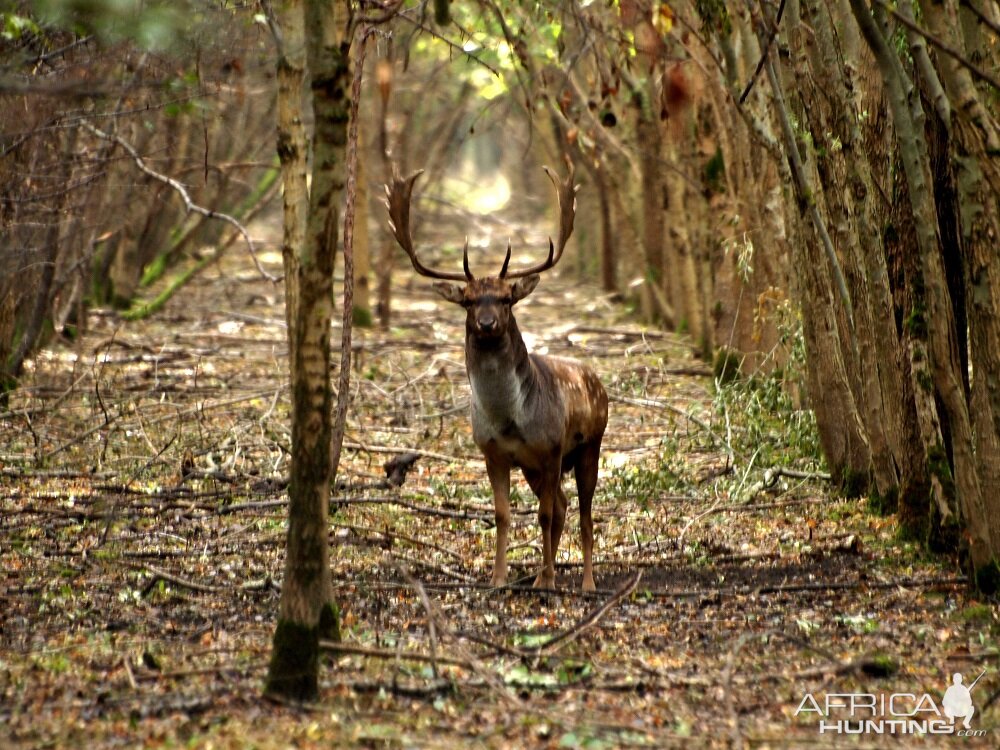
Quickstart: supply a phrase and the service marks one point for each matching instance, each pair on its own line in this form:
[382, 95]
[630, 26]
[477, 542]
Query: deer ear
[451, 292]
[523, 287]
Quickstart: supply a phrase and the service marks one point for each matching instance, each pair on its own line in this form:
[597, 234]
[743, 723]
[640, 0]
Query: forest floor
[142, 533]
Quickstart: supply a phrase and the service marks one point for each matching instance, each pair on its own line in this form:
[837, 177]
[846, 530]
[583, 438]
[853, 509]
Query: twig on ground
[488, 676]
[128, 672]
[394, 449]
[163, 575]
[392, 535]
[572, 633]
[717, 593]
[442, 569]
[430, 612]
[350, 649]
[416, 507]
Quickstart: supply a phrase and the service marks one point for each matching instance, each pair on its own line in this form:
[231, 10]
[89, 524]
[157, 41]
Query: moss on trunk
[294, 671]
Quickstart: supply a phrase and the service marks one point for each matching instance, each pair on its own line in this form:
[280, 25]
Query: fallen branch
[436, 621]
[416, 507]
[333, 647]
[163, 575]
[392, 535]
[442, 569]
[393, 449]
[572, 633]
[431, 616]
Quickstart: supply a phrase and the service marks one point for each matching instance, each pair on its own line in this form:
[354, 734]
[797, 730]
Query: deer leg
[547, 490]
[586, 481]
[499, 474]
[558, 518]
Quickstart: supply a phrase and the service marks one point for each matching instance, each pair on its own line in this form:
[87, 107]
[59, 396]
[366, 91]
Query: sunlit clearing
[480, 194]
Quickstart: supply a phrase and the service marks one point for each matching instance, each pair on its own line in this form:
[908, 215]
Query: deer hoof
[541, 582]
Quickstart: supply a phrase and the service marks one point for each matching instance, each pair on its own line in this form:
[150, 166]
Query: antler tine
[566, 195]
[506, 260]
[465, 260]
[397, 194]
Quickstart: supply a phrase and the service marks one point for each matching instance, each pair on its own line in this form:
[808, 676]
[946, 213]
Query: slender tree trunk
[307, 612]
[653, 225]
[609, 280]
[362, 261]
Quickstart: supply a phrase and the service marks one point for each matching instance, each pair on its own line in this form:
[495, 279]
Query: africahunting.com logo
[896, 713]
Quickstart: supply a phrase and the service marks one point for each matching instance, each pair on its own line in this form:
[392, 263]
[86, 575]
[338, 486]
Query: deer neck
[501, 375]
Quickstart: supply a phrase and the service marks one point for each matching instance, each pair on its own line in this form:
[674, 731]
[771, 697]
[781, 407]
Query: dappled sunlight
[477, 193]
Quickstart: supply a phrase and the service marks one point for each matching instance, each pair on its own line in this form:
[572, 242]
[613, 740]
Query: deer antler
[397, 195]
[566, 194]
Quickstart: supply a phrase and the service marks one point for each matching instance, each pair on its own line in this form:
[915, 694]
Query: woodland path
[142, 532]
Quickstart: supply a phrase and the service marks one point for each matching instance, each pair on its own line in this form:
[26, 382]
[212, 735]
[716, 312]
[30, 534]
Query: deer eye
[508, 300]
[467, 303]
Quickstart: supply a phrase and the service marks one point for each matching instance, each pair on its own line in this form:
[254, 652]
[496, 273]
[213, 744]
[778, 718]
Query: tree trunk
[609, 277]
[845, 441]
[649, 137]
[362, 262]
[845, 171]
[307, 612]
[955, 459]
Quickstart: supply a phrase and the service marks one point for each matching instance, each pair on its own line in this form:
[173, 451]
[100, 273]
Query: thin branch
[162, 575]
[393, 449]
[77, 89]
[807, 196]
[46, 56]
[591, 619]
[763, 54]
[189, 205]
[333, 647]
[350, 211]
[274, 27]
[698, 593]
[436, 622]
[453, 45]
[989, 22]
[656, 404]
[953, 53]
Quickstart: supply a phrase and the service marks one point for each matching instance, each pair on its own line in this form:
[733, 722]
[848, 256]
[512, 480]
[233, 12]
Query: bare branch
[591, 619]
[978, 72]
[763, 54]
[189, 205]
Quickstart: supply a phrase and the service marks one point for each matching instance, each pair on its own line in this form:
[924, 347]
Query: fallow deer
[542, 414]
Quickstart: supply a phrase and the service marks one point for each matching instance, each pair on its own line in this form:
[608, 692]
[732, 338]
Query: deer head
[487, 300]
